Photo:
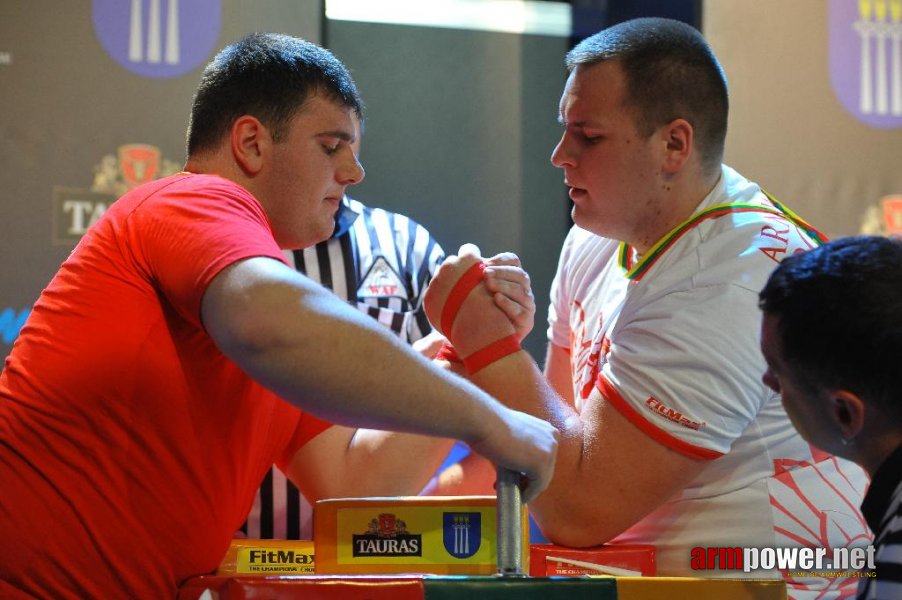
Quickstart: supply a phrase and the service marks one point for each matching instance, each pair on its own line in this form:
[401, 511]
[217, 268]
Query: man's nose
[561, 157]
[352, 171]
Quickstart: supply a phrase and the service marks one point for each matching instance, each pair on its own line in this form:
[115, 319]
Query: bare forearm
[366, 462]
[321, 355]
[334, 362]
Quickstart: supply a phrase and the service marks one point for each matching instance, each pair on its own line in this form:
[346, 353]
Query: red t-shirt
[130, 447]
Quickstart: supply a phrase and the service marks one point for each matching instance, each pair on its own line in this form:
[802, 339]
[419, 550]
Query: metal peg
[509, 522]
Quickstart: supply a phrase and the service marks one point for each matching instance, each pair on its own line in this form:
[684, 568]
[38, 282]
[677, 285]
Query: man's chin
[583, 221]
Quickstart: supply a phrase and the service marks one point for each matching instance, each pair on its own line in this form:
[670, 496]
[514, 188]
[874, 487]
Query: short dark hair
[671, 73]
[839, 317]
[269, 76]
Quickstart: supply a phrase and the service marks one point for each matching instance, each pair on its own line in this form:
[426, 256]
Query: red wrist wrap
[447, 352]
[494, 351]
[469, 280]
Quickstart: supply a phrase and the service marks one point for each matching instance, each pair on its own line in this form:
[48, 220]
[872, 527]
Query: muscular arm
[366, 462]
[609, 474]
[294, 337]
[621, 472]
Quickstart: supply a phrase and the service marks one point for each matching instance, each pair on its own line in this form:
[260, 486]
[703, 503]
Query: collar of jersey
[635, 270]
[344, 218]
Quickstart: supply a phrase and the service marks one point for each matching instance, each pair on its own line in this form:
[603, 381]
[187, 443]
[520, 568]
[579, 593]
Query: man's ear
[250, 142]
[678, 136]
[848, 412]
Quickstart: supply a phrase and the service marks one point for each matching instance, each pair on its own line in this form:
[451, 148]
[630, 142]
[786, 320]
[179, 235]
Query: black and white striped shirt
[882, 508]
[380, 262]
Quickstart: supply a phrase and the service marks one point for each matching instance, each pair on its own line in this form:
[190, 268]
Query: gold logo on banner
[76, 209]
[133, 165]
[884, 218]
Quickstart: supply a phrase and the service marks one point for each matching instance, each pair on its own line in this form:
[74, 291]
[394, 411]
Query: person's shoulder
[209, 183]
[752, 224]
[193, 185]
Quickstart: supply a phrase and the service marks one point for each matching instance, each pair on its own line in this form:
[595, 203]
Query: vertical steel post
[509, 519]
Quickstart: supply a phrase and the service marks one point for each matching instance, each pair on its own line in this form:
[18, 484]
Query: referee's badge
[381, 281]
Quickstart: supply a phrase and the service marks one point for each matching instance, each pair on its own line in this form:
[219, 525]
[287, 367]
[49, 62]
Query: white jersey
[670, 339]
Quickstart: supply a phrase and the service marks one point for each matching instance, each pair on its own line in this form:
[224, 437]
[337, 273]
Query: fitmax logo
[11, 323]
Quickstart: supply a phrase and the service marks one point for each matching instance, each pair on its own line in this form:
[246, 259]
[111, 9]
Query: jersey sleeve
[308, 427]
[185, 234]
[685, 368]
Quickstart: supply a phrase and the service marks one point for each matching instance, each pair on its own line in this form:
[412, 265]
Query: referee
[380, 262]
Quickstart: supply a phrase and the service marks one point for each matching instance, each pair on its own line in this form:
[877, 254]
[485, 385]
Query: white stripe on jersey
[339, 282]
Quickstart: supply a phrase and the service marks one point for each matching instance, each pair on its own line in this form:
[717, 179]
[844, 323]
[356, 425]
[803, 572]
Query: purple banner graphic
[158, 38]
[865, 39]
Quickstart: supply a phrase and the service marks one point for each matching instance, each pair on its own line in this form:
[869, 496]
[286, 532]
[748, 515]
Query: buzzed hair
[671, 73]
[268, 76]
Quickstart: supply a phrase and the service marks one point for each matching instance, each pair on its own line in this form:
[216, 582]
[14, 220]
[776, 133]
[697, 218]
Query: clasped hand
[500, 305]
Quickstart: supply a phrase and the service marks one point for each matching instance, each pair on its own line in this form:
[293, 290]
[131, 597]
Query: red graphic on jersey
[383, 290]
[813, 526]
[782, 238]
[586, 356]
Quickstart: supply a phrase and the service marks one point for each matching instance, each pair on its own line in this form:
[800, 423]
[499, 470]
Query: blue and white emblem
[462, 533]
[159, 39]
[865, 53]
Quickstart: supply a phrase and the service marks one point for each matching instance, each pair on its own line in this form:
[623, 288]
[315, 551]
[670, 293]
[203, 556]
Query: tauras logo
[403, 545]
[387, 536]
[75, 209]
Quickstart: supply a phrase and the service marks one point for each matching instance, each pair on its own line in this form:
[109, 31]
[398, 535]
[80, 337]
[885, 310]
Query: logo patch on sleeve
[381, 281]
[672, 414]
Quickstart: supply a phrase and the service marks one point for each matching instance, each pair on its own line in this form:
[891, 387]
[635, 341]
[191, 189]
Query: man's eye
[330, 149]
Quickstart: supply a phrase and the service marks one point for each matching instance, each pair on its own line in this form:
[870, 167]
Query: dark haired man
[146, 395]
[832, 338]
[668, 435]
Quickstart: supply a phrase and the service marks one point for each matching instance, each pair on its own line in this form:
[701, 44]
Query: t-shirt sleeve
[185, 234]
[308, 427]
[686, 368]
